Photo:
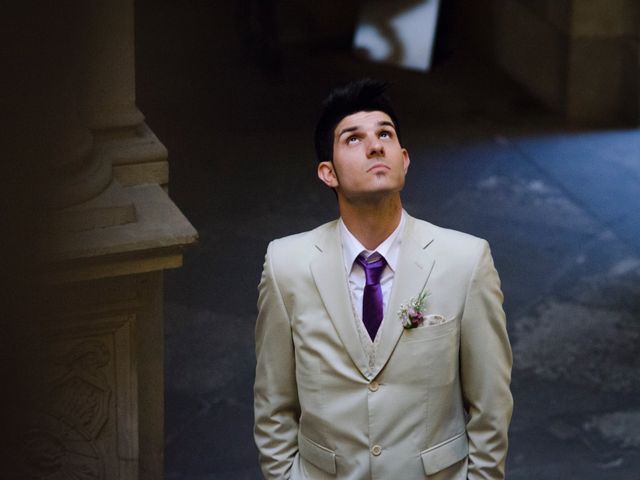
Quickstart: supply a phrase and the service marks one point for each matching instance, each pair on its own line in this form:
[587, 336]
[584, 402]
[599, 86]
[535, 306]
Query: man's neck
[372, 223]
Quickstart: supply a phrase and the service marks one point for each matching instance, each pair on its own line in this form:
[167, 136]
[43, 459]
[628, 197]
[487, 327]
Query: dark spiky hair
[365, 95]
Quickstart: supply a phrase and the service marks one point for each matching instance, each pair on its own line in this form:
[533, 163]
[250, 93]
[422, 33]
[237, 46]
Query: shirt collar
[389, 248]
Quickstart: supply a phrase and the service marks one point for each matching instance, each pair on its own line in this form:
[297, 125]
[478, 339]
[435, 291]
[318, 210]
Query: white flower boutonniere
[412, 315]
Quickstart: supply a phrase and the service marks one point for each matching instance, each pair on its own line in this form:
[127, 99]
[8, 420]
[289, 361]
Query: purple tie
[372, 299]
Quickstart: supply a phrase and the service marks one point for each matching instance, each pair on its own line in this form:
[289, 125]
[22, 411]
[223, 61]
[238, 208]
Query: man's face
[368, 161]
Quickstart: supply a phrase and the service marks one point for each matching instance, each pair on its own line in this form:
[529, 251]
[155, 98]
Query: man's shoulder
[446, 236]
[302, 240]
[290, 256]
[458, 249]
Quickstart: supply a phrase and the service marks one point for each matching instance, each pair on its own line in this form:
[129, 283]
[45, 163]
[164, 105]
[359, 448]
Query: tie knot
[372, 270]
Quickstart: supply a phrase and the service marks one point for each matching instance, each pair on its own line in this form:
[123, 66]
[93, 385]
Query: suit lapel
[328, 273]
[414, 268]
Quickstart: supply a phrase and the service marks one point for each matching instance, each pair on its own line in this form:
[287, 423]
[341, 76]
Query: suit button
[376, 450]
[373, 386]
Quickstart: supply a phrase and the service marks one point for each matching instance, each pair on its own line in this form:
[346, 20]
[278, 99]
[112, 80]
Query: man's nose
[375, 146]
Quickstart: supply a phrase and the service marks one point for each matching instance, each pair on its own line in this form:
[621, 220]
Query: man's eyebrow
[381, 123]
[348, 129]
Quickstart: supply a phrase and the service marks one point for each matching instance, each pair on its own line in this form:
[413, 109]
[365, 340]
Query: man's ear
[406, 160]
[327, 174]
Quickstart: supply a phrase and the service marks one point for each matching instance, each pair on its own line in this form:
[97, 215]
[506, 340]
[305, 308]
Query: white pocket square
[430, 320]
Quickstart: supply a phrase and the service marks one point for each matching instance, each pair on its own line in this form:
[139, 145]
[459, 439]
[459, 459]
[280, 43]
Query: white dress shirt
[351, 249]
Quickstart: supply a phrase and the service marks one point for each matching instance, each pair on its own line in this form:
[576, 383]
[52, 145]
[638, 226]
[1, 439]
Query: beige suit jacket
[435, 404]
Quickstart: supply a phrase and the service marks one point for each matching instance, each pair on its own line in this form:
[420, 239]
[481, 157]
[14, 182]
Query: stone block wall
[579, 57]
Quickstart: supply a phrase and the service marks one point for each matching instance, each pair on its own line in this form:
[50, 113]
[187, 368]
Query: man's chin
[376, 196]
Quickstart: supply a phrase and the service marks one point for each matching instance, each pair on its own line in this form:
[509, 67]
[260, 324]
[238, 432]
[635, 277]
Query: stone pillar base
[92, 397]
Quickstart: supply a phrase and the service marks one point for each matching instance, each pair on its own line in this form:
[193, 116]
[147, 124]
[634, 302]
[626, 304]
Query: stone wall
[579, 57]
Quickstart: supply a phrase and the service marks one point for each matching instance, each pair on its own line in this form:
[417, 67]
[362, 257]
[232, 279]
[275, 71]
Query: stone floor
[559, 205]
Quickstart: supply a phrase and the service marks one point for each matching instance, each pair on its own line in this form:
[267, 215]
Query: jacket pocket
[432, 351]
[445, 454]
[316, 454]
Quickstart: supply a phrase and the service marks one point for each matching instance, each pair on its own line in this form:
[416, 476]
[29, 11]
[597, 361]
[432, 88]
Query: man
[382, 350]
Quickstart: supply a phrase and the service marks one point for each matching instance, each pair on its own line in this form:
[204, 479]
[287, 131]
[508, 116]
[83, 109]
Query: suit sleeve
[276, 405]
[486, 361]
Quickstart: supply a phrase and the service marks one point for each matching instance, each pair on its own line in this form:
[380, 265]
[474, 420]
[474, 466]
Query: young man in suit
[382, 350]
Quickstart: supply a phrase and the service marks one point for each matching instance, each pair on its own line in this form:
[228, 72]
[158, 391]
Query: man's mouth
[377, 166]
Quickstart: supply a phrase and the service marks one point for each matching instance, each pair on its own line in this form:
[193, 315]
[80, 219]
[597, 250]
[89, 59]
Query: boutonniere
[412, 314]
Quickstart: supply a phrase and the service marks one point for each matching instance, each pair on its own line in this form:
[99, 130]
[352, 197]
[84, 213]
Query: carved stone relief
[83, 406]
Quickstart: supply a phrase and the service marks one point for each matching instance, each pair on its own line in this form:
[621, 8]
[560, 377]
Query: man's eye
[352, 139]
[385, 134]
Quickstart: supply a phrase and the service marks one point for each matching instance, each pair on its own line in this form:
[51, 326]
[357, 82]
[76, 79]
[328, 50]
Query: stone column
[68, 158]
[84, 340]
[109, 100]
[109, 87]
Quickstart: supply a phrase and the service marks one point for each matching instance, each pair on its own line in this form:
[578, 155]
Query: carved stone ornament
[80, 396]
[56, 451]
